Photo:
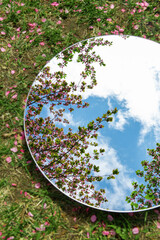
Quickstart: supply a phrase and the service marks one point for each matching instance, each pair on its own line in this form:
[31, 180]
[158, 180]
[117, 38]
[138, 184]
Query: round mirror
[92, 122]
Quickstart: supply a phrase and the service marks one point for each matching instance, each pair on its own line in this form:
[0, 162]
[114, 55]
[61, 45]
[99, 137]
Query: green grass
[55, 216]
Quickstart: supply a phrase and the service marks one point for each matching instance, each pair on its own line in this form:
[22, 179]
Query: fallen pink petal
[37, 185]
[110, 218]
[7, 93]
[93, 218]
[30, 214]
[158, 225]
[8, 159]
[105, 233]
[3, 49]
[14, 149]
[14, 96]
[135, 230]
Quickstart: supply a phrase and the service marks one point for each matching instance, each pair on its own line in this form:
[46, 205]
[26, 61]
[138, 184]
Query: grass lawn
[31, 33]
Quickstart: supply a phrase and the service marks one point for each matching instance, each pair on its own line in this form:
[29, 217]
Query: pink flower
[59, 22]
[13, 71]
[3, 49]
[42, 43]
[0, 233]
[14, 96]
[14, 149]
[111, 6]
[43, 19]
[87, 234]
[123, 10]
[18, 29]
[110, 218]
[91, 27]
[8, 159]
[30, 214]
[105, 233]
[3, 33]
[1, 18]
[7, 125]
[135, 230]
[45, 205]
[18, 11]
[10, 238]
[93, 218]
[36, 10]
[109, 19]
[37, 185]
[98, 19]
[9, 45]
[54, 4]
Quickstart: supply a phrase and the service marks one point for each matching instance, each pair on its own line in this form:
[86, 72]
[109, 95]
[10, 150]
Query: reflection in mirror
[92, 122]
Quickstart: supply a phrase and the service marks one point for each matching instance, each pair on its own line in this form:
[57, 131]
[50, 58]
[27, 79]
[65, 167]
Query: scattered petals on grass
[93, 218]
[37, 185]
[14, 149]
[8, 159]
[135, 230]
[110, 218]
[30, 214]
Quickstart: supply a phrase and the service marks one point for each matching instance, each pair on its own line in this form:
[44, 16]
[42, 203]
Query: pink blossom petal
[54, 4]
[135, 230]
[1, 18]
[9, 45]
[3, 33]
[105, 233]
[3, 49]
[45, 205]
[30, 214]
[110, 218]
[8, 159]
[42, 43]
[158, 225]
[14, 96]
[37, 185]
[43, 19]
[59, 22]
[93, 218]
[14, 184]
[13, 71]
[7, 93]
[14, 149]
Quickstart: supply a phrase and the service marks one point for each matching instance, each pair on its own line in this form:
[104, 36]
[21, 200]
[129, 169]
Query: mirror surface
[91, 115]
